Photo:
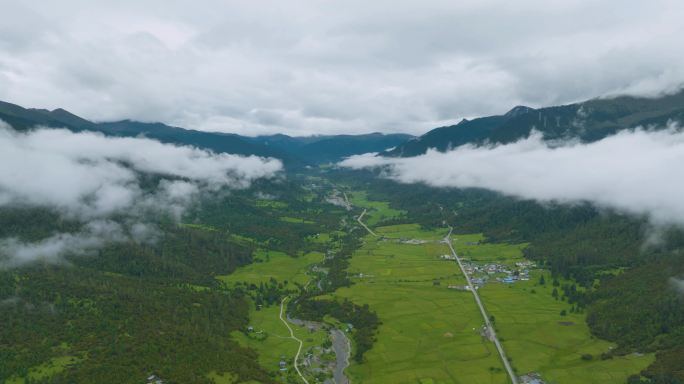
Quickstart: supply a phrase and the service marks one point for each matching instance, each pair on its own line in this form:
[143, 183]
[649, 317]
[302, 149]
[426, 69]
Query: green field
[377, 210]
[271, 340]
[275, 204]
[539, 339]
[534, 334]
[410, 231]
[45, 370]
[469, 249]
[270, 337]
[276, 265]
[429, 333]
[295, 220]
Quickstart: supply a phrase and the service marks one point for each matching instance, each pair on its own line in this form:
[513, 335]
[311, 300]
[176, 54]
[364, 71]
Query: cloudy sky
[303, 67]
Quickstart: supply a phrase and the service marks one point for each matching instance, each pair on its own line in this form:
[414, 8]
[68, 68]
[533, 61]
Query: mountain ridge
[588, 121]
[293, 151]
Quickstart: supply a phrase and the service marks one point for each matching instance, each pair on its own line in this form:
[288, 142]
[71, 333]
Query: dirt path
[293, 337]
[363, 224]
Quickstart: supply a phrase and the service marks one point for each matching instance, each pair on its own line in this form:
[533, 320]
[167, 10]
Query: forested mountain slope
[588, 121]
[293, 151]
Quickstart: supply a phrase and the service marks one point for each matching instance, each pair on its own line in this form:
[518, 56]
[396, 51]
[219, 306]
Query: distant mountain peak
[518, 110]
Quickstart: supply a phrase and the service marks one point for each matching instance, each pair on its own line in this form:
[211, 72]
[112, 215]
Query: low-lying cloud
[93, 236]
[90, 177]
[636, 171]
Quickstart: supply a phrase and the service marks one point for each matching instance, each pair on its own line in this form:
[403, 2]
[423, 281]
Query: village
[481, 274]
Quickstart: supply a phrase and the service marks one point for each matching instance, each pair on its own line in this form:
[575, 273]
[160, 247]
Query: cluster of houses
[481, 274]
[413, 241]
[531, 378]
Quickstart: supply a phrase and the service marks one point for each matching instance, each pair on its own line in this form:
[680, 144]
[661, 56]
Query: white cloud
[90, 177]
[636, 171]
[677, 284]
[51, 249]
[303, 67]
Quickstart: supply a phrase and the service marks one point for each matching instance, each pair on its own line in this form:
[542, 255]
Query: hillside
[588, 121]
[294, 151]
[332, 148]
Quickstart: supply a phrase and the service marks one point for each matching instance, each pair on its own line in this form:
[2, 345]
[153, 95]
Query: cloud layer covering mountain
[302, 67]
[89, 177]
[636, 171]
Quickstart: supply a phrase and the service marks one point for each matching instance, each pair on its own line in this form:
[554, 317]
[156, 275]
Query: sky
[323, 67]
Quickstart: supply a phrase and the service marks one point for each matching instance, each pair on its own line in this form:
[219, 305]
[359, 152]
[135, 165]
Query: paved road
[292, 336]
[490, 328]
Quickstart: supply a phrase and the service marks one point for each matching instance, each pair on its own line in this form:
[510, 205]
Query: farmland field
[377, 210]
[276, 265]
[269, 336]
[429, 333]
[534, 334]
[538, 339]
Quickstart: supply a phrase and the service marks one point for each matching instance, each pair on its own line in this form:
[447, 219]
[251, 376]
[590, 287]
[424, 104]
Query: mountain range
[294, 151]
[587, 121]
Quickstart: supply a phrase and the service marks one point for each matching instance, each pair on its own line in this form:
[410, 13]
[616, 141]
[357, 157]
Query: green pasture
[410, 231]
[275, 204]
[46, 370]
[539, 339]
[274, 264]
[469, 248]
[326, 238]
[429, 333]
[377, 211]
[271, 338]
[201, 227]
[295, 220]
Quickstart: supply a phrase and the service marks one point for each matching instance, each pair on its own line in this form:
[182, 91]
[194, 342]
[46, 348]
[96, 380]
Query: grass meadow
[274, 264]
[429, 333]
[377, 211]
[539, 339]
[270, 337]
[534, 334]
